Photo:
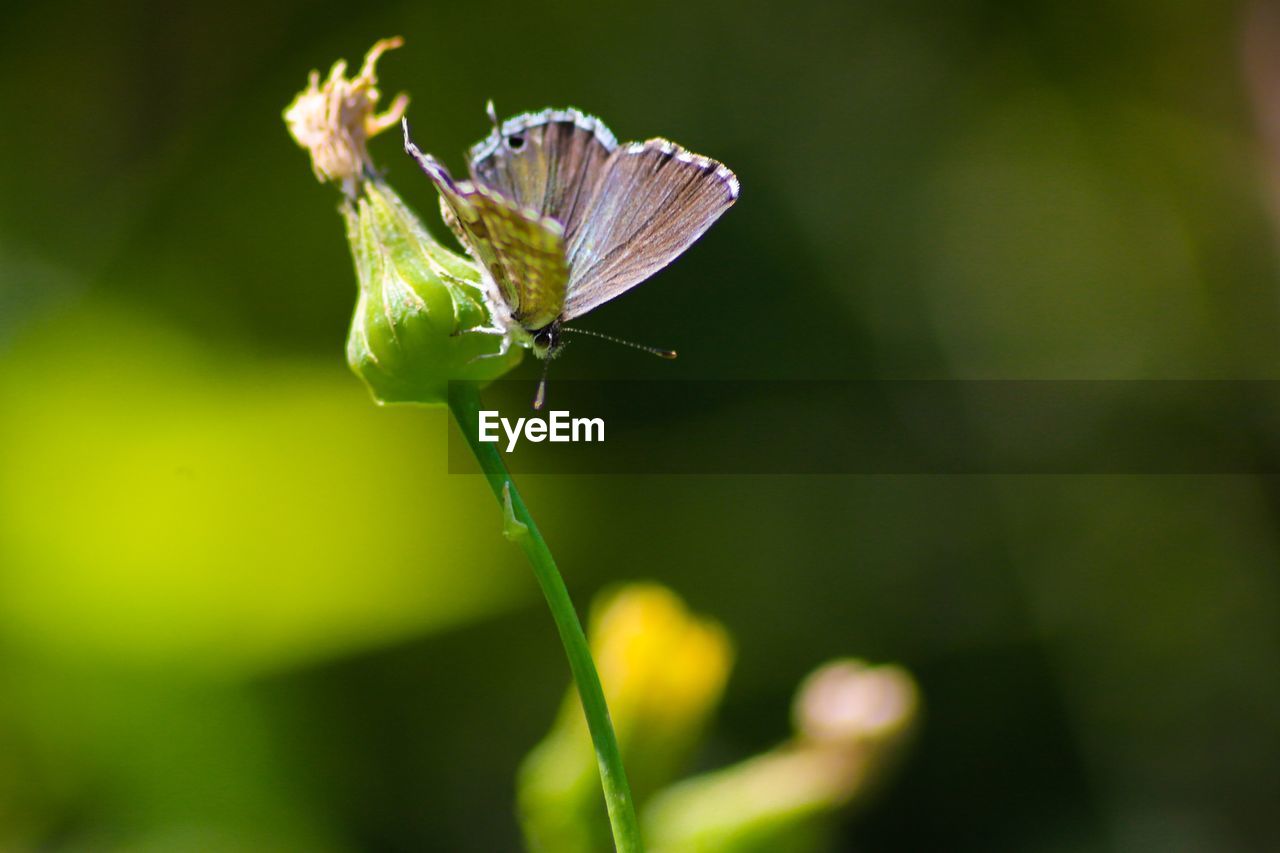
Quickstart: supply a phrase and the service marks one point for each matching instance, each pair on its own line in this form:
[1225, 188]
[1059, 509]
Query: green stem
[464, 402]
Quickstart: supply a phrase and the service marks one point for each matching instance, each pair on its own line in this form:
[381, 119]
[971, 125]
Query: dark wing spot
[515, 143]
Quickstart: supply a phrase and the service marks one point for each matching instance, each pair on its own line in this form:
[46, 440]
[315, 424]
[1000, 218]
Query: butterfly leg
[503, 348]
[481, 330]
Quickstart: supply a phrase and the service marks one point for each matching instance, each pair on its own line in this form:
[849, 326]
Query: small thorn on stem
[512, 528]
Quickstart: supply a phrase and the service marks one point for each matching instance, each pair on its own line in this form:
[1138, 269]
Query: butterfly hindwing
[651, 201]
[547, 161]
[523, 251]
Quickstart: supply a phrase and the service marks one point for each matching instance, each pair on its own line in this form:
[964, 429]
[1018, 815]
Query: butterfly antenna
[540, 398]
[660, 353]
[493, 114]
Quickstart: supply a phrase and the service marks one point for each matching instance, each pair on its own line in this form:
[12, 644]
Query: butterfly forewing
[523, 251]
[548, 161]
[650, 202]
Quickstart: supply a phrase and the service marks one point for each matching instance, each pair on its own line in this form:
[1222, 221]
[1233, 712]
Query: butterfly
[562, 218]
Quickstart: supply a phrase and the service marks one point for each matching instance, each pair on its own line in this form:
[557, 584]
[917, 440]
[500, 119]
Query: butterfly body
[561, 218]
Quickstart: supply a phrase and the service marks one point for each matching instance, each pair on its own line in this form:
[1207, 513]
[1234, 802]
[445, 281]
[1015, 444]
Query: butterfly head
[547, 341]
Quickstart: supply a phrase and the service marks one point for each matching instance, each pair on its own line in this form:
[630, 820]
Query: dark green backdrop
[241, 608]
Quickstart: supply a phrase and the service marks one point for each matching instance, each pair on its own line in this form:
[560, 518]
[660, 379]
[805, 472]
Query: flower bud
[848, 702]
[421, 320]
[851, 721]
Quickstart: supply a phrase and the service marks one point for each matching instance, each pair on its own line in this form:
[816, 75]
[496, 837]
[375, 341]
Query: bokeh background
[242, 608]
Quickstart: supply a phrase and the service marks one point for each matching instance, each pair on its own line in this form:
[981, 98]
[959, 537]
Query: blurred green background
[241, 608]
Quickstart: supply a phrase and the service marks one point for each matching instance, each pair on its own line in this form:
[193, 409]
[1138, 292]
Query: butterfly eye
[515, 143]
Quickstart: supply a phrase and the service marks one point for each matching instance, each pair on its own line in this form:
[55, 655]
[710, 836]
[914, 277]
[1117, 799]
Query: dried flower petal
[334, 121]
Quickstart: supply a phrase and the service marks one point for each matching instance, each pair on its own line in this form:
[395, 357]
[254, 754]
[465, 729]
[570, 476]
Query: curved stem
[464, 402]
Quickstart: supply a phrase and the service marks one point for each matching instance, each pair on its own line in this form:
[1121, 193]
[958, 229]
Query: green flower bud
[420, 306]
[421, 320]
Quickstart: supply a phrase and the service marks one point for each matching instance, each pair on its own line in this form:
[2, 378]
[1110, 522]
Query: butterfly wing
[547, 161]
[651, 201]
[523, 251]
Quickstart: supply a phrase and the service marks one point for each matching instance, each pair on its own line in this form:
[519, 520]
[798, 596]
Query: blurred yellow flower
[664, 671]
